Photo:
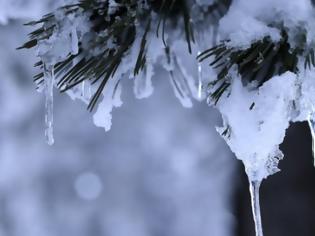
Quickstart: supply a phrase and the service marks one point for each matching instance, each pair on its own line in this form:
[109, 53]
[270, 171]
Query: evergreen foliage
[121, 27]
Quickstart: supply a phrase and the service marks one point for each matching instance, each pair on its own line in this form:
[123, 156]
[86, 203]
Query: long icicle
[311, 124]
[254, 187]
[49, 103]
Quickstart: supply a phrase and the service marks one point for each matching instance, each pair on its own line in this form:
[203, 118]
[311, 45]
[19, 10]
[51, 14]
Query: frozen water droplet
[254, 187]
[311, 124]
[49, 78]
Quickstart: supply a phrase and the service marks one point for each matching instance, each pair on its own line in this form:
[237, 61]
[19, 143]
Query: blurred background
[162, 170]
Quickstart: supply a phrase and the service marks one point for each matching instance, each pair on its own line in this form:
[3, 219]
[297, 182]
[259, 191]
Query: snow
[255, 134]
[111, 99]
[256, 119]
[143, 83]
[257, 19]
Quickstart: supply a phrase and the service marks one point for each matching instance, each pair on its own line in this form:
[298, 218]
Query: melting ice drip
[49, 79]
[311, 124]
[254, 187]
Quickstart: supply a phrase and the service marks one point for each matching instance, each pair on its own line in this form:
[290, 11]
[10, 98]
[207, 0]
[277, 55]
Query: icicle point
[254, 187]
[311, 124]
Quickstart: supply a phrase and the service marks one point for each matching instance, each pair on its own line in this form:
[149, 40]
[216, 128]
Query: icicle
[49, 86]
[254, 187]
[199, 80]
[111, 98]
[74, 41]
[179, 82]
[83, 89]
[142, 83]
[311, 124]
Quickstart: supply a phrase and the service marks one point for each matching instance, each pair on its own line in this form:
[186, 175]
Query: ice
[142, 83]
[199, 80]
[74, 41]
[262, 126]
[111, 99]
[65, 39]
[86, 91]
[311, 124]
[255, 122]
[49, 103]
[254, 187]
[179, 81]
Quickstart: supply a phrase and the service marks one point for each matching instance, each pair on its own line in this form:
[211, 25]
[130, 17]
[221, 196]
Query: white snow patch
[255, 134]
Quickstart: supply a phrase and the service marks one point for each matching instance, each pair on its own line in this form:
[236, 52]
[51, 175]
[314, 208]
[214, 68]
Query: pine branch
[259, 63]
[120, 27]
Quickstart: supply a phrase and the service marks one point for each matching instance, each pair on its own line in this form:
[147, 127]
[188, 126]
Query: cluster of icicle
[254, 120]
[74, 28]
